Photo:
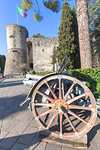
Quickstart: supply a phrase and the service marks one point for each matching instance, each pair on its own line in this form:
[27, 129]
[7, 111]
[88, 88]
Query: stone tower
[16, 49]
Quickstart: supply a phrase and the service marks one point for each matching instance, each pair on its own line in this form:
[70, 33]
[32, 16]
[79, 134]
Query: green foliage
[54, 56]
[37, 17]
[54, 5]
[76, 39]
[38, 35]
[92, 78]
[90, 75]
[43, 73]
[2, 62]
[26, 5]
[32, 4]
[94, 17]
[40, 73]
[32, 72]
[66, 38]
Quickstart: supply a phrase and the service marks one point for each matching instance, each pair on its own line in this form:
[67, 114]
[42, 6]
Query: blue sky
[8, 15]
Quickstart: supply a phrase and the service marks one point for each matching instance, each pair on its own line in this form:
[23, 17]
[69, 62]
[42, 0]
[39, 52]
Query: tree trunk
[84, 37]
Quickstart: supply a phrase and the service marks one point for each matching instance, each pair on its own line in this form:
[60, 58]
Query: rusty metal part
[58, 107]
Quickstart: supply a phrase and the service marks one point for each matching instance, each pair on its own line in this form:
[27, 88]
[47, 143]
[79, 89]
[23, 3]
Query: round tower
[16, 49]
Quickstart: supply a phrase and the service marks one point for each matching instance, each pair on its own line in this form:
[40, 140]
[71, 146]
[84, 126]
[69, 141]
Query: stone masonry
[16, 49]
[42, 50]
[35, 52]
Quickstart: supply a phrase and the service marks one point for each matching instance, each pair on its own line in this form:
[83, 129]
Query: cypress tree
[2, 62]
[76, 40]
[66, 37]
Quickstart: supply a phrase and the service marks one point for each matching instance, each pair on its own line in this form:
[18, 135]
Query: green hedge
[92, 78]
[90, 75]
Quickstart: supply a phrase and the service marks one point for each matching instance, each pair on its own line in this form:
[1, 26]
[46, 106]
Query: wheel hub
[60, 106]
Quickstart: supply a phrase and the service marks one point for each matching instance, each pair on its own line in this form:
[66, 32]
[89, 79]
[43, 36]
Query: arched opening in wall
[29, 55]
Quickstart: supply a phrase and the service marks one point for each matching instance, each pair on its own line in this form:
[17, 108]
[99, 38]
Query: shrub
[90, 75]
[32, 72]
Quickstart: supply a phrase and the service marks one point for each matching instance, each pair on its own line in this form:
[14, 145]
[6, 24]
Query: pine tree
[84, 35]
[66, 37]
[76, 40]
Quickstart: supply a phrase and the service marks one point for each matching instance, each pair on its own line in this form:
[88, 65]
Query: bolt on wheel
[64, 106]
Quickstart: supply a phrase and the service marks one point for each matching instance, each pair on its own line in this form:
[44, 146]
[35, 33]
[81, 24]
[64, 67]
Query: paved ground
[19, 130]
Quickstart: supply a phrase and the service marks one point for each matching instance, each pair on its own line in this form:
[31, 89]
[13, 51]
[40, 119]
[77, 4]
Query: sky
[8, 15]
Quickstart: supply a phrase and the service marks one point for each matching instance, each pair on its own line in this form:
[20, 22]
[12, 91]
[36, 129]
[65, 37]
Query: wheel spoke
[60, 95]
[59, 88]
[61, 123]
[79, 107]
[46, 112]
[67, 93]
[63, 89]
[49, 98]
[73, 114]
[51, 91]
[77, 97]
[44, 104]
[55, 114]
[65, 114]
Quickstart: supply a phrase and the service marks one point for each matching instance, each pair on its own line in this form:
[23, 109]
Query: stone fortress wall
[16, 48]
[41, 50]
[35, 52]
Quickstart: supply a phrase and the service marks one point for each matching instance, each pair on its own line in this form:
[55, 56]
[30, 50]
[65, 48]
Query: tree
[83, 27]
[2, 62]
[53, 56]
[30, 4]
[26, 4]
[76, 39]
[66, 37]
[84, 36]
[38, 35]
[94, 18]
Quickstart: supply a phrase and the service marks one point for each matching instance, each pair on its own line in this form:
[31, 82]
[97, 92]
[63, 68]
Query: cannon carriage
[62, 105]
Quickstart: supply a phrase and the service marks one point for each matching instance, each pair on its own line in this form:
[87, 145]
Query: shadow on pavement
[92, 133]
[11, 105]
[24, 141]
[10, 83]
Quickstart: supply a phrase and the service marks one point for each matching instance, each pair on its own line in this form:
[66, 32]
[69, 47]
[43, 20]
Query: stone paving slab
[9, 140]
[53, 147]
[27, 136]
[1, 148]
[37, 144]
[10, 125]
[19, 146]
[3, 134]
[19, 129]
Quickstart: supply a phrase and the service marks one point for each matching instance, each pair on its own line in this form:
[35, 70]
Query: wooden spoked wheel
[64, 106]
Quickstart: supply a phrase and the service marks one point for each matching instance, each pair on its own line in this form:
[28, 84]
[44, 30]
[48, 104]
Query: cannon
[62, 105]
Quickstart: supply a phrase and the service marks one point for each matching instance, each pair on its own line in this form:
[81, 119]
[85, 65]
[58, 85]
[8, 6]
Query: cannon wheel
[63, 106]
